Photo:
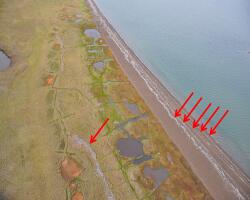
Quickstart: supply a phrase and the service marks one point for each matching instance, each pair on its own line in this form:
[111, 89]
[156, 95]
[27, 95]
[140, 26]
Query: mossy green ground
[38, 120]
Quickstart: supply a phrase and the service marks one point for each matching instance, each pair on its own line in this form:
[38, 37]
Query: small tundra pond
[130, 147]
[4, 61]
[99, 65]
[132, 107]
[142, 159]
[158, 175]
[93, 33]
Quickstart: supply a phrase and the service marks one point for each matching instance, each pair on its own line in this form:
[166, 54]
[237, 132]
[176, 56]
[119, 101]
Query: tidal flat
[54, 98]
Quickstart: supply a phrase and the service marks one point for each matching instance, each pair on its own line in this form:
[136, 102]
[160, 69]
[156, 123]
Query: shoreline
[219, 174]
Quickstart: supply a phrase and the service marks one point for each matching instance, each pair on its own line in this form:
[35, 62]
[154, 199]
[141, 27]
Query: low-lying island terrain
[61, 83]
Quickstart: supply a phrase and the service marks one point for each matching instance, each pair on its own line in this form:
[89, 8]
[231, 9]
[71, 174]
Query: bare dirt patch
[77, 196]
[70, 169]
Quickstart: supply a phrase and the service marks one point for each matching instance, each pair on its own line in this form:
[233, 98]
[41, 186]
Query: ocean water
[201, 46]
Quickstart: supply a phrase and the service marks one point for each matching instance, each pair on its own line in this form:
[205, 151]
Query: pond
[133, 148]
[130, 147]
[99, 65]
[142, 159]
[93, 33]
[132, 107]
[4, 61]
[158, 175]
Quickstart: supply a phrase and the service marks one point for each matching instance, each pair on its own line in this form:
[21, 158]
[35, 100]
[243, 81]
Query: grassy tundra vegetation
[52, 98]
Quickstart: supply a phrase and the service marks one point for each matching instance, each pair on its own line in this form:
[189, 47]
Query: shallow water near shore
[4, 61]
[196, 46]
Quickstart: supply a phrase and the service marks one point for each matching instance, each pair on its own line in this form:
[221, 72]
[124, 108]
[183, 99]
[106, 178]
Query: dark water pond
[142, 159]
[130, 147]
[93, 33]
[158, 175]
[4, 61]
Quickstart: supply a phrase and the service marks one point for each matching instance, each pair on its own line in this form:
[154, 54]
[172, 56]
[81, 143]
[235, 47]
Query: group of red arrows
[186, 118]
[203, 126]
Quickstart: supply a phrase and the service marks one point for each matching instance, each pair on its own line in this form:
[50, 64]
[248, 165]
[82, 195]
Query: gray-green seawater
[201, 46]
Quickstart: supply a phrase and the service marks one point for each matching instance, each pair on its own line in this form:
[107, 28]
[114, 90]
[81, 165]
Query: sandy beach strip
[216, 170]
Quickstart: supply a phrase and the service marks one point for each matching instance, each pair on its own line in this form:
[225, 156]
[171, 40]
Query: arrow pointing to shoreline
[92, 138]
[186, 117]
[213, 129]
[196, 122]
[204, 126]
[178, 111]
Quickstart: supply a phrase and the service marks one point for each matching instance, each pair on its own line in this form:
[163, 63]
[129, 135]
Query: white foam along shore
[216, 170]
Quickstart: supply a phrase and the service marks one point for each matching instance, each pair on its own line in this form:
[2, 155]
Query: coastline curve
[216, 170]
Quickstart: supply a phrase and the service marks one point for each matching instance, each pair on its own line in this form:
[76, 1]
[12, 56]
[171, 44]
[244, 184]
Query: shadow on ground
[3, 196]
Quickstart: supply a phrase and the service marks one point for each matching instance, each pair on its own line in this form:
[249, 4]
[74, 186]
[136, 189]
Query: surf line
[153, 86]
[203, 126]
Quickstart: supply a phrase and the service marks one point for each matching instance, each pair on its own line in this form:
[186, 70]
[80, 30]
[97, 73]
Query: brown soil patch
[56, 46]
[77, 196]
[70, 169]
[50, 80]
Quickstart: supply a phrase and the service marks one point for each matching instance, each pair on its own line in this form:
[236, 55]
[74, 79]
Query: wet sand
[216, 170]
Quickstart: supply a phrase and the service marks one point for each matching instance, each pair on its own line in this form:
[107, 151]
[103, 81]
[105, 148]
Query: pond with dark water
[130, 147]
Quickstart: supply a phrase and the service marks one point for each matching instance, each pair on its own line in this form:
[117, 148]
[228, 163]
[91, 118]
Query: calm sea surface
[195, 45]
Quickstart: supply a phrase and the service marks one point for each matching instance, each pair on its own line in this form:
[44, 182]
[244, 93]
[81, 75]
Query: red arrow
[178, 112]
[196, 122]
[213, 129]
[186, 117]
[92, 138]
[204, 126]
